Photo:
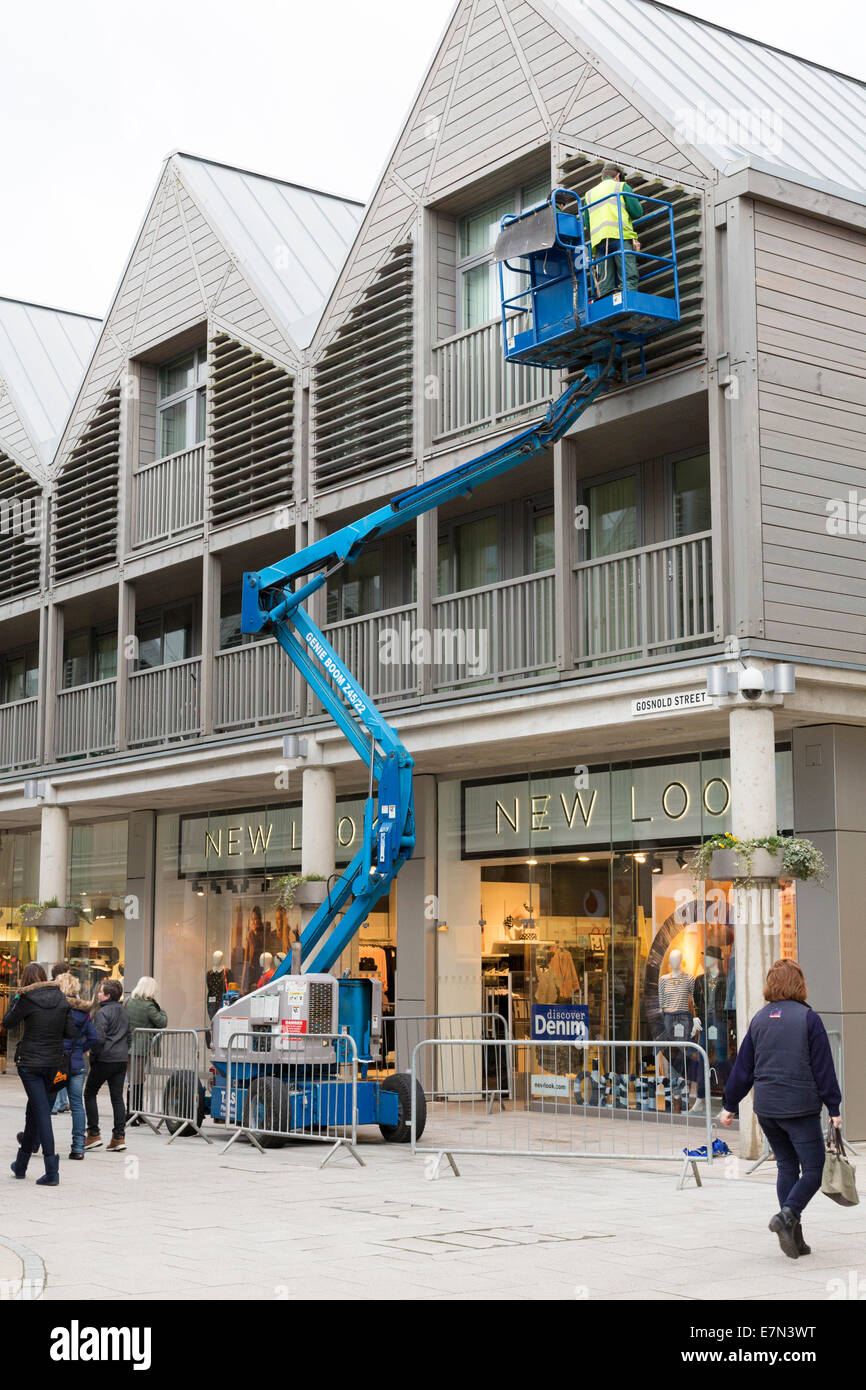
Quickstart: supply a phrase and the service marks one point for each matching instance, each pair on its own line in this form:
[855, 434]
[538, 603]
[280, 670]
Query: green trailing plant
[801, 859]
[287, 887]
[36, 909]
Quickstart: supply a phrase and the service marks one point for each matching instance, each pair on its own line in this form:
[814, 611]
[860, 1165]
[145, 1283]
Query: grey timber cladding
[22, 530]
[811, 338]
[84, 519]
[362, 415]
[685, 342]
[252, 405]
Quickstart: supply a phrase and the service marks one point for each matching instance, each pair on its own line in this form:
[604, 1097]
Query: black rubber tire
[401, 1132]
[273, 1096]
[177, 1081]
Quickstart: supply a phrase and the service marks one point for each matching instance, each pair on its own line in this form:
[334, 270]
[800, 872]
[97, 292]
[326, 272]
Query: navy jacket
[85, 1035]
[786, 1056]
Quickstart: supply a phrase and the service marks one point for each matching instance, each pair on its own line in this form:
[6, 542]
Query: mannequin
[710, 1003]
[676, 1004]
[266, 961]
[217, 981]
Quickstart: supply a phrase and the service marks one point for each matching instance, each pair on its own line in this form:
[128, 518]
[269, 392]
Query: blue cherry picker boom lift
[551, 317]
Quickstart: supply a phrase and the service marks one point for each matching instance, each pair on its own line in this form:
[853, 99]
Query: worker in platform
[602, 221]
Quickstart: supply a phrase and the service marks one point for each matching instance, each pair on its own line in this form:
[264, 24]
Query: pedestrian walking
[786, 1056]
[108, 1059]
[41, 1009]
[61, 1100]
[144, 1012]
[85, 1038]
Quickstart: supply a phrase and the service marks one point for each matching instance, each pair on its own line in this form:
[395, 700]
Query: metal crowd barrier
[312, 1094]
[164, 1080]
[487, 1069]
[838, 1052]
[574, 1099]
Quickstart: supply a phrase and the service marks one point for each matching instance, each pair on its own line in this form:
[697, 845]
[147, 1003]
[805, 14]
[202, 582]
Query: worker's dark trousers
[609, 273]
[798, 1148]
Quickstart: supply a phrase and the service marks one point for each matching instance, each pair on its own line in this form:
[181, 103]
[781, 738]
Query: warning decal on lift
[294, 1025]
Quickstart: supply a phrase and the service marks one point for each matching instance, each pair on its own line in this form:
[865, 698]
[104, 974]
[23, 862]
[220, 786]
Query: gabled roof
[292, 241]
[43, 356]
[731, 97]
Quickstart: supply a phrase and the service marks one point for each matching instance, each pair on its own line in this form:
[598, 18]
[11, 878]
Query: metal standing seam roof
[292, 240]
[43, 356]
[732, 97]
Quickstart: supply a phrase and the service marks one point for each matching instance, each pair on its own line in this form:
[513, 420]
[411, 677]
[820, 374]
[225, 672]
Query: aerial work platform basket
[549, 278]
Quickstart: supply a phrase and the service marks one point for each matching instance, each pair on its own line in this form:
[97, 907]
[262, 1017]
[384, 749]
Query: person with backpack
[42, 1010]
[85, 1038]
[109, 1056]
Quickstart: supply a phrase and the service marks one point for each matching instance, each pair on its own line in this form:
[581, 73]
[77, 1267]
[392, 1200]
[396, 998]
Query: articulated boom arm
[271, 602]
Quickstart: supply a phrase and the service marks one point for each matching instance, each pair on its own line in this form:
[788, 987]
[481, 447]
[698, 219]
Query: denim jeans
[100, 1073]
[76, 1105]
[798, 1148]
[40, 1098]
[61, 1101]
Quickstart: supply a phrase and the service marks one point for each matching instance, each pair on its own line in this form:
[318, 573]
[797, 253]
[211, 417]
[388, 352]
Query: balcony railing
[645, 603]
[19, 725]
[168, 496]
[164, 703]
[254, 685]
[378, 650]
[476, 386]
[496, 633]
[85, 719]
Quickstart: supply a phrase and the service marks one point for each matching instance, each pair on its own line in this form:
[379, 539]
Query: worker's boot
[802, 1247]
[19, 1167]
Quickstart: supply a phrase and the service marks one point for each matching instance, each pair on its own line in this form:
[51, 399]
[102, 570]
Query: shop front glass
[220, 926]
[565, 888]
[95, 948]
[19, 883]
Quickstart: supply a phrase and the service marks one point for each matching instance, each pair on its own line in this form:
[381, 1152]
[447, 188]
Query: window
[357, 588]
[469, 555]
[19, 675]
[543, 550]
[477, 274]
[613, 521]
[691, 495]
[181, 402]
[165, 637]
[89, 656]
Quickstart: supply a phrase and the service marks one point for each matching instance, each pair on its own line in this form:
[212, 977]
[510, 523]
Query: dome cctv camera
[751, 682]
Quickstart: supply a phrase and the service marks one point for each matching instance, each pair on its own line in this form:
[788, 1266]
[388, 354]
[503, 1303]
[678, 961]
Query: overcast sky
[94, 93]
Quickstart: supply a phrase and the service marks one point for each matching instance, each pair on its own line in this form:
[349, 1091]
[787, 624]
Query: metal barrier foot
[247, 1134]
[434, 1171]
[693, 1164]
[199, 1133]
[348, 1147]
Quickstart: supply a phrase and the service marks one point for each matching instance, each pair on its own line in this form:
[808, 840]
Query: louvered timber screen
[673, 347]
[84, 531]
[252, 405]
[21, 525]
[363, 382]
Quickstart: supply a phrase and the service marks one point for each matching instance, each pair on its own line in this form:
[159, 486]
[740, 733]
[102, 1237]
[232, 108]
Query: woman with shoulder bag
[41, 1008]
[786, 1056]
[85, 1037]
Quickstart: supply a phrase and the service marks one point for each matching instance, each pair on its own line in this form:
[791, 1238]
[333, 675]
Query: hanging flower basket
[301, 890]
[39, 915]
[728, 858]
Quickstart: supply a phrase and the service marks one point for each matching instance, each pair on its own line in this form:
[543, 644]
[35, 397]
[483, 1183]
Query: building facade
[277, 361]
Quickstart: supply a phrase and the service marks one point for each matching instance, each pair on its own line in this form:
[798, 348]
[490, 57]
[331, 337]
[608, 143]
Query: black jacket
[111, 1022]
[43, 1012]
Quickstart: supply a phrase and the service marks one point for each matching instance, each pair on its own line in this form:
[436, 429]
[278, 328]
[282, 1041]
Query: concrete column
[564, 495]
[210, 617]
[140, 864]
[319, 840]
[426, 538]
[417, 911]
[53, 878]
[753, 813]
[126, 654]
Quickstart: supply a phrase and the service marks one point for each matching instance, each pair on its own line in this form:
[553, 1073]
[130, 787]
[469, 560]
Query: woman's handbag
[839, 1182]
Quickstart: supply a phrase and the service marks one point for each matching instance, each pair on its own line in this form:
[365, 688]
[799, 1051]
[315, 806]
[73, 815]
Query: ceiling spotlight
[681, 859]
[245, 885]
[583, 859]
[532, 863]
[197, 889]
[230, 885]
[640, 858]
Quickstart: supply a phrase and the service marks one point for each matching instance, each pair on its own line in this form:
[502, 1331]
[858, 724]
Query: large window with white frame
[181, 402]
[477, 275]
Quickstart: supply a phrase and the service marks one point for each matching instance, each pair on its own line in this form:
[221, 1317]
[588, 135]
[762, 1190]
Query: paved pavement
[183, 1221]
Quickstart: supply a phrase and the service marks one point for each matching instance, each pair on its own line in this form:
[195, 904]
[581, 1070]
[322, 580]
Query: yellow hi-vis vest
[604, 216]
